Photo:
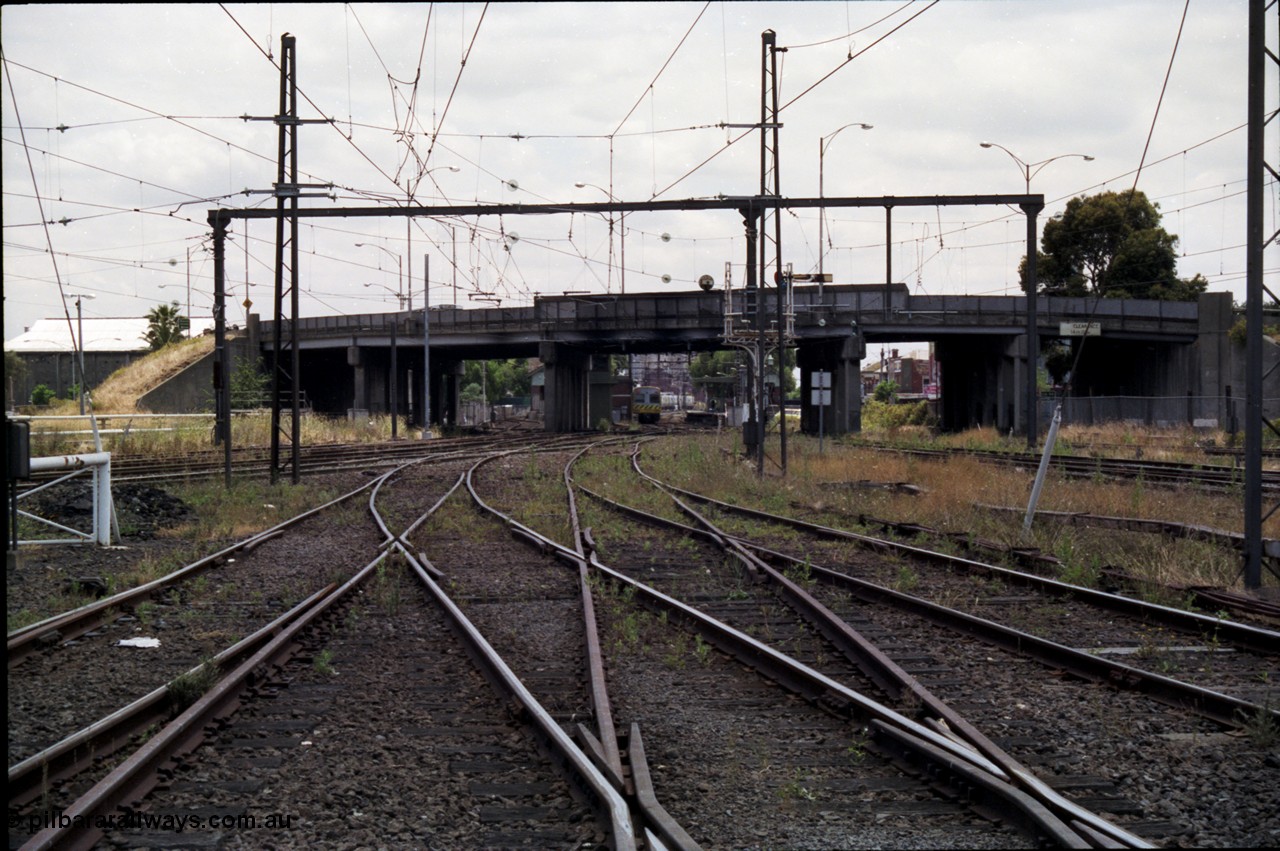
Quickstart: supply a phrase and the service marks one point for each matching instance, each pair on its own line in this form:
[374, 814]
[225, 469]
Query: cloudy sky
[122, 129]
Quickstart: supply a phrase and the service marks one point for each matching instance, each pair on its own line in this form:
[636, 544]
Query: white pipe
[1044, 468]
[100, 463]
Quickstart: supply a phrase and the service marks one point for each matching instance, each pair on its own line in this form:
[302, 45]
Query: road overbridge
[1133, 347]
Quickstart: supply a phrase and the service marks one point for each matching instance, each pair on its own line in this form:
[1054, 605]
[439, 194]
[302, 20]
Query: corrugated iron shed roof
[101, 334]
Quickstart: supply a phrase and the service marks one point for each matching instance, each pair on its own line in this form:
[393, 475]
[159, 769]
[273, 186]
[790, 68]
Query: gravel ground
[1220, 787]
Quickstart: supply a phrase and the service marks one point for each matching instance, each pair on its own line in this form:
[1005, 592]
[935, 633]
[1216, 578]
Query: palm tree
[164, 326]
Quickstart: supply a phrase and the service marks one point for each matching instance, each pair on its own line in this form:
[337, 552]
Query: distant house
[911, 376]
[49, 353]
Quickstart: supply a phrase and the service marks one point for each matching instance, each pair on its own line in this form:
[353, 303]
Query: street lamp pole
[426, 347]
[79, 297]
[408, 221]
[823, 143]
[1027, 168]
[399, 272]
[1030, 170]
[399, 295]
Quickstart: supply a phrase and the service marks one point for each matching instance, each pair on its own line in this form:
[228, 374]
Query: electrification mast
[1254, 418]
[287, 191]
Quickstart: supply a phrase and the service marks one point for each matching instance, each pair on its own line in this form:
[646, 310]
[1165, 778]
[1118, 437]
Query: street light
[399, 270]
[1030, 170]
[622, 240]
[1026, 168]
[79, 297]
[399, 295]
[408, 221]
[823, 143]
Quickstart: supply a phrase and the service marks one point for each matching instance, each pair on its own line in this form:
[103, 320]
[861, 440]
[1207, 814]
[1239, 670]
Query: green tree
[499, 378]
[886, 391]
[1112, 245]
[164, 326]
[42, 394]
[250, 384]
[471, 393]
[720, 372]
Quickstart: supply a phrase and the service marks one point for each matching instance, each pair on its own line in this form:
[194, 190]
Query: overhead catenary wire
[658, 75]
[403, 71]
[301, 93]
[1137, 174]
[810, 88]
[13, 97]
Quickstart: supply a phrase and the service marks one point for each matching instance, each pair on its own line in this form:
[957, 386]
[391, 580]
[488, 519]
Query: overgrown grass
[247, 507]
[127, 433]
[120, 392]
[186, 689]
[955, 491]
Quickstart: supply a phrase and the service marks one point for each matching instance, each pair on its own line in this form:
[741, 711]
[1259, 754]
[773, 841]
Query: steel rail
[135, 777]
[1252, 638]
[916, 743]
[1219, 708]
[978, 781]
[316, 458]
[895, 681]
[1077, 465]
[1193, 531]
[590, 778]
[71, 624]
[608, 756]
[669, 832]
[601, 789]
[32, 777]
[601, 706]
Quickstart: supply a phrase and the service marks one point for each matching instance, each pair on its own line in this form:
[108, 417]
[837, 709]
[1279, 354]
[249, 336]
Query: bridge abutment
[567, 372]
[843, 359]
[982, 379]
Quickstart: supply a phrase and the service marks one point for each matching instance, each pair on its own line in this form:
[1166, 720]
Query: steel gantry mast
[748, 207]
[1258, 118]
[285, 333]
[284, 344]
[771, 237]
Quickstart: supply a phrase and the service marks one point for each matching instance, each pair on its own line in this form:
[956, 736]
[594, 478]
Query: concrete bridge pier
[984, 379]
[600, 392]
[446, 395]
[359, 386]
[843, 359]
[567, 372]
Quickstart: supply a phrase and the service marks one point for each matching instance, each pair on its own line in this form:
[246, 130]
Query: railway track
[278, 720]
[1251, 674]
[1171, 473]
[477, 660]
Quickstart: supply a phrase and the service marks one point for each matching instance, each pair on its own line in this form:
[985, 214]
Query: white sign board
[822, 379]
[820, 397]
[1079, 329]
